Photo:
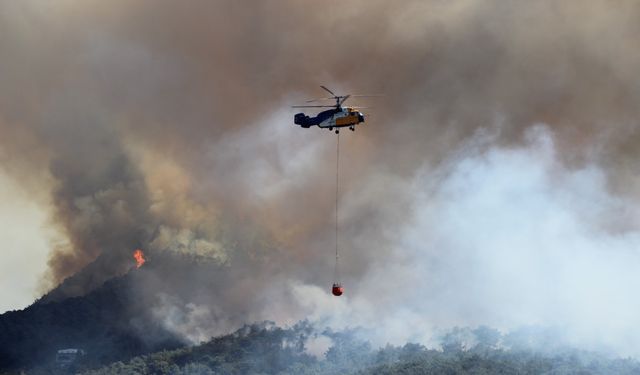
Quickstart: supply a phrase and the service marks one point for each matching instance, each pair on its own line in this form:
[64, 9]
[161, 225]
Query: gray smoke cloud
[495, 183]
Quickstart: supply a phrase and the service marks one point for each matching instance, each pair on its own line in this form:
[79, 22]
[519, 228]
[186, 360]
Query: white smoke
[192, 322]
[504, 237]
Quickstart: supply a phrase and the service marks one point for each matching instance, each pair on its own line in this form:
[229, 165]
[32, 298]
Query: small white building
[66, 357]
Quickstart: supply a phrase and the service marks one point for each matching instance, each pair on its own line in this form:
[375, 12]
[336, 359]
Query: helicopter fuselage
[333, 118]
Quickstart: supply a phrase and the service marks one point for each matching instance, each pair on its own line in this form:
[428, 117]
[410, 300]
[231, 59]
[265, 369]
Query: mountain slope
[112, 322]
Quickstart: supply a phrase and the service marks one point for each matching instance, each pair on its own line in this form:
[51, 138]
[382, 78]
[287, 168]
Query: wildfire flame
[139, 257]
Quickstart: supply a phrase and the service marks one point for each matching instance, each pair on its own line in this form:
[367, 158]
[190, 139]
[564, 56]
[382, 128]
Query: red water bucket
[337, 290]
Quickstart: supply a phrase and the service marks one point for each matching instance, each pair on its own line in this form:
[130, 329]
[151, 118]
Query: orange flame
[139, 256]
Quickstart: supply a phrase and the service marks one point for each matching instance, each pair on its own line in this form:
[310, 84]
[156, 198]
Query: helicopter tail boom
[304, 120]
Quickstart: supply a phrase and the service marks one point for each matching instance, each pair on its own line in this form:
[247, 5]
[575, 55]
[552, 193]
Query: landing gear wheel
[352, 129]
[337, 131]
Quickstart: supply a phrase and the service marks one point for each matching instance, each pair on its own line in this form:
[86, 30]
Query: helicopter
[337, 117]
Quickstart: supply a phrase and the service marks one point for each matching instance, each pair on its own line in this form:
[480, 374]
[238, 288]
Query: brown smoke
[144, 121]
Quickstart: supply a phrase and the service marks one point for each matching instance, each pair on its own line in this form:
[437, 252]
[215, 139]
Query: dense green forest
[268, 349]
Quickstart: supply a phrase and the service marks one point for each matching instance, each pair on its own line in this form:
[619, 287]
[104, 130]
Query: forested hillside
[267, 349]
[113, 322]
[104, 323]
[115, 327]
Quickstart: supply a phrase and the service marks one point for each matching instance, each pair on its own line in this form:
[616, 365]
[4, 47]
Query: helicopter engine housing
[302, 120]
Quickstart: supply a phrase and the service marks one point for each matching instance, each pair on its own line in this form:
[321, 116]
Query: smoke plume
[495, 183]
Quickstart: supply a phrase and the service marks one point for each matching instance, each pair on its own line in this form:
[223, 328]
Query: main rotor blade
[313, 106]
[367, 96]
[330, 92]
[343, 99]
[313, 100]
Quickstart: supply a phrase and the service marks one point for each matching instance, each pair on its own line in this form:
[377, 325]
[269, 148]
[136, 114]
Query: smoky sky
[167, 126]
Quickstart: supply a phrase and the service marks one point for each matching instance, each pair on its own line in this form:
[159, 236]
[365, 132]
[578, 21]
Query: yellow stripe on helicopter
[347, 120]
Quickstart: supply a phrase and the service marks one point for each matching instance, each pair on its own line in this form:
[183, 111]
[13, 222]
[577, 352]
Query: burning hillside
[138, 255]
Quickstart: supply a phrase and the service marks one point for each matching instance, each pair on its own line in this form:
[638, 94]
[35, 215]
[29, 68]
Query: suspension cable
[337, 271]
